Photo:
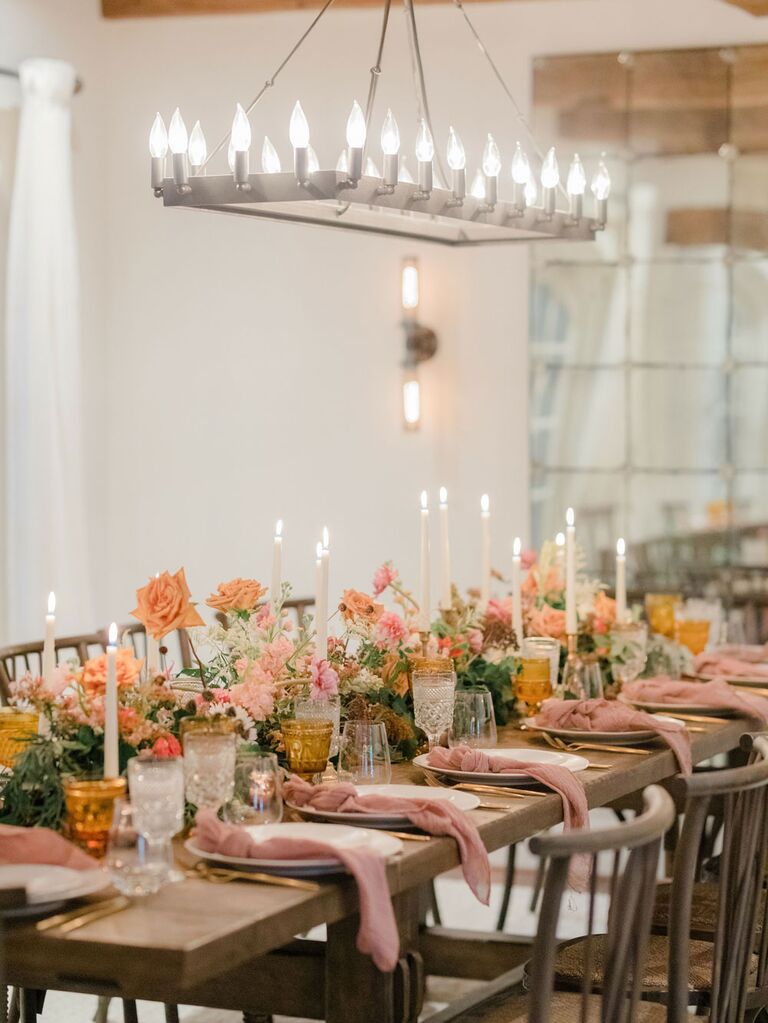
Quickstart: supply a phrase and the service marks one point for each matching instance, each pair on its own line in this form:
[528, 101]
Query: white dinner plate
[532, 756]
[682, 708]
[332, 834]
[462, 800]
[747, 681]
[49, 887]
[625, 738]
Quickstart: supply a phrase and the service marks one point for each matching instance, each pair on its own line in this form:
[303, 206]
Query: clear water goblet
[209, 769]
[156, 787]
[433, 696]
[474, 721]
[136, 866]
[364, 754]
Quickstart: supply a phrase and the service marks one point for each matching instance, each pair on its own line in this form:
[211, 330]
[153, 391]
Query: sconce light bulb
[477, 191]
[601, 182]
[390, 135]
[531, 191]
[550, 172]
[158, 138]
[425, 147]
[411, 398]
[491, 158]
[198, 150]
[231, 155]
[298, 130]
[270, 161]
[313, 164]
[457, 159]
[404, 174]
[577, 179]
[177, 133]
[356, 130]
[241, 131]
[521, 169]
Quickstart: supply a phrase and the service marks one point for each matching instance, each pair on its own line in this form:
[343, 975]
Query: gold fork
[600, 747]
[486, 789]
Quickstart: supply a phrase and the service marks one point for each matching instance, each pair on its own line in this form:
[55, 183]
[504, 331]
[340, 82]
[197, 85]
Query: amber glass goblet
[90, 804]
[307, 746]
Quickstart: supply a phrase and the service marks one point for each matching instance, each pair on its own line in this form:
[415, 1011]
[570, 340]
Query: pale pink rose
[528, 559]
[264, 617]
[475, 640]
[499, 611]
[325, 681]
[390, 631]
[383, 577]
[546, 621]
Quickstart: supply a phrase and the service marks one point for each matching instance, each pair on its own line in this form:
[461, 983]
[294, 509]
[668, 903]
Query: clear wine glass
[135, 866]
[364, 754]
[209, 768]
[433, 697]
[157, 795]
[474, 721]
[258, 793]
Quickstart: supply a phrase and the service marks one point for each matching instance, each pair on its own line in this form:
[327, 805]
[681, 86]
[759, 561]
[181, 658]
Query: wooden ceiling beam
[757, 7]
[169, 8]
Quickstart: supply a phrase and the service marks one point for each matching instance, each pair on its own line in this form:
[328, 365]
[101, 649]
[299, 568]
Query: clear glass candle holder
[209, 768]
[258, 795]
[364, 754]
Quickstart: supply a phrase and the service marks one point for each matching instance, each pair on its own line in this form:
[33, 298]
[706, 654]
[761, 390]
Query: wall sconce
[420, 344]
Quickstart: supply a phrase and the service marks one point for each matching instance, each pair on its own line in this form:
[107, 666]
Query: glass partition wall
[649, 348]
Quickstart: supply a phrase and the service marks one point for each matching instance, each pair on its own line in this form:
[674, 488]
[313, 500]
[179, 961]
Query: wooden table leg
[130, 1014]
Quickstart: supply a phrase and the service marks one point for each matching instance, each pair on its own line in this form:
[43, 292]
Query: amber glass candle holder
[17, 727]
[220, 724]
[533, 684]
[90, 804]
[660, 612]
[307, 746]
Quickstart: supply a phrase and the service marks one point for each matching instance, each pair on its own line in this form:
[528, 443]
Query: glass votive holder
[660, 612]
[90, 806]
[17, 727]
[307, 746]
[532, 683]
[258, 795]
[544, 646]
[323, 708]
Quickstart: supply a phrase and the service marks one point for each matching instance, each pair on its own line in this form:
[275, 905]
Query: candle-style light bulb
[241, 130]
[198, 150]
[485, 504]
[621, 547]
[491, 158]
[424, 500]
[404, 174]
[517, 546]
[177, 133]
[113, 634]
[601, 189]
[278, 529]
[342, 164]
[371, 170]
[457, 159]
[326, 538]
[576, 185]
[313, 164]
[298, 130]
[425, 147]
[270, 160]
[356, 131]
[521, 168]
[390, 135]
[158, 138]
[477, 190]
[443, 496]
[550, 179]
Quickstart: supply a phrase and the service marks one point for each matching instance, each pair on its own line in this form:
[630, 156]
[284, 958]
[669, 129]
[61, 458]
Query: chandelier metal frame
[354, 201]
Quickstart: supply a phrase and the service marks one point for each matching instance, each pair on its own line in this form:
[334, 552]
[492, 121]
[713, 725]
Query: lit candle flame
[485, 504]
[326, 538]
[424, 500]
[560, 539]
[278, 528]
[570, 518]
[516, 547]
[443, 496]
[319, 551]
[113, 634]
[51, 602]
[621, 547]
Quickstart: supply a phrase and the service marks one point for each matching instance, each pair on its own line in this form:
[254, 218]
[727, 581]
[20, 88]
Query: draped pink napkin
[377, 935]
[437, 817]
[732, 662]
[611, 716]
[715, 694]
[41, 845]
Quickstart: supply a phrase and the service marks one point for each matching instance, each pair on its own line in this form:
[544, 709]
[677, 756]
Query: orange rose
[237, 595]
[546, 621]
[94, 674]
[165, 605]
[359, 607]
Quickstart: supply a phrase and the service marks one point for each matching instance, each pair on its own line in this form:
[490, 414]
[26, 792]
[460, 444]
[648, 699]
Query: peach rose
[359, 607]
[237, 595]
[94, 673]
[164, 605]
[546, 621]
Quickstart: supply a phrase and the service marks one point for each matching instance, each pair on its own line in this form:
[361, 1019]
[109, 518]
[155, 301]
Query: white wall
[252, 369]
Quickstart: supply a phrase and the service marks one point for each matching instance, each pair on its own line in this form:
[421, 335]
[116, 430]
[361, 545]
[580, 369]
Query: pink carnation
[254, 697]
[475, 640]
[325, 681]
[383, 577]
[264, 617]
[166, 746]
[390, 631]
[528, 559]
[499, 611]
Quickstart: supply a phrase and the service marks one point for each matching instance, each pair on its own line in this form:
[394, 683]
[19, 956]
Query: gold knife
[67, 922]
[214, 874]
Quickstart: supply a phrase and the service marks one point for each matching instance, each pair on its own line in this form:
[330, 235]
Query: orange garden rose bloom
[237, 595]
[604, 610]
[359, 607]
[547, 621]
[93, 677]
[164, 605]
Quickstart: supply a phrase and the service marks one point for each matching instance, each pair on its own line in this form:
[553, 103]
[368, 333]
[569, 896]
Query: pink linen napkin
[377, 935]
[715, 694]
[433, 816]
[723, 662]
[41, 845]
[611, 716]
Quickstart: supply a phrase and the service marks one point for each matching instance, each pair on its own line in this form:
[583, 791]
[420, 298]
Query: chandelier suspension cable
[376, 69]
[500, 78]
[418, 76]
[271, 80]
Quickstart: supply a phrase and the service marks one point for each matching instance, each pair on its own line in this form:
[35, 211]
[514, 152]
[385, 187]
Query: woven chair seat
[570, 963]
[703, 909]
[564, 1008]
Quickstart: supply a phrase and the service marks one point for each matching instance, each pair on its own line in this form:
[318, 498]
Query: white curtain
[45, 505]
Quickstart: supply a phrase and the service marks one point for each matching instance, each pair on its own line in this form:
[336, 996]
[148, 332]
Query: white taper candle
[321, 608]
[277, 564]
[111, 760]
[517, 598]
[621, 581]
[485, 529]
[49, 643]
[571, 626]
[445, 553]
[424, 567]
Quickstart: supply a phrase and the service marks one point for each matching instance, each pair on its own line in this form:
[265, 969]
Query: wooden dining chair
[20, 658]
[635, 847]
[722, 971]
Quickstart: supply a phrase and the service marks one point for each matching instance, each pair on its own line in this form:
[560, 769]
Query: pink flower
[325, 681]
[166, 746]
[383, 577]
[528, 559]
[475, 640]
[254, 697]
[499, 611]
[546, 621]
[390, 631]
[264, 617]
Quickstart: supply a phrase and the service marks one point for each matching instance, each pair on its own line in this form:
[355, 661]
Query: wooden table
[234, 946]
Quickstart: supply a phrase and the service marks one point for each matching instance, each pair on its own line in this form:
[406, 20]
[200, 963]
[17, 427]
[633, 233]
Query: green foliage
[497, 678]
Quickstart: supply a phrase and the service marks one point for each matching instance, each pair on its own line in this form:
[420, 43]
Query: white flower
[365, 681]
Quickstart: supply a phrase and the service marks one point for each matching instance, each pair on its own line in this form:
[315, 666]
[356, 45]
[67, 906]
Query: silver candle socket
[577, 206]
[601, 217]
[180, 176]
[157, 173]
[425, 176]
[549, 201]
[241, 170]
[518, 196]
[491, 190]
[354, 163]
[391, 169]
[459, 183]
[301, 164]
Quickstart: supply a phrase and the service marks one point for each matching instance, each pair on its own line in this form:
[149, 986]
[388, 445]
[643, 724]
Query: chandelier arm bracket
[271, 80]
[418, 69]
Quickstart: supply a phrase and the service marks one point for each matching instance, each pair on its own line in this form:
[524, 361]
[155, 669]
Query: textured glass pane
[577, 417]
[598, 499]
[679, 312]
[749, 213]
[749, 98]
[578, 314]
[750, 498]
[749, 416]
[678, 101]
[678, 207]
[678, 418]
[750, 310]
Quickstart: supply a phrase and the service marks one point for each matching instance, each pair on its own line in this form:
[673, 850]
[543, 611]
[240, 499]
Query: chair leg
[256, 1017]
[14, 1006]
[102, 1009]
[509, 880]
[28, 1005]
[171, 1014]
[434, 905]
[130, 1015]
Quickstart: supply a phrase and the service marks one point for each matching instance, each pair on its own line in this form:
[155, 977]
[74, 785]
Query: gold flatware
[409, 836]
[704, 718]
[599, 747]
[750, 689]
[70, 921]
[222, 875]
